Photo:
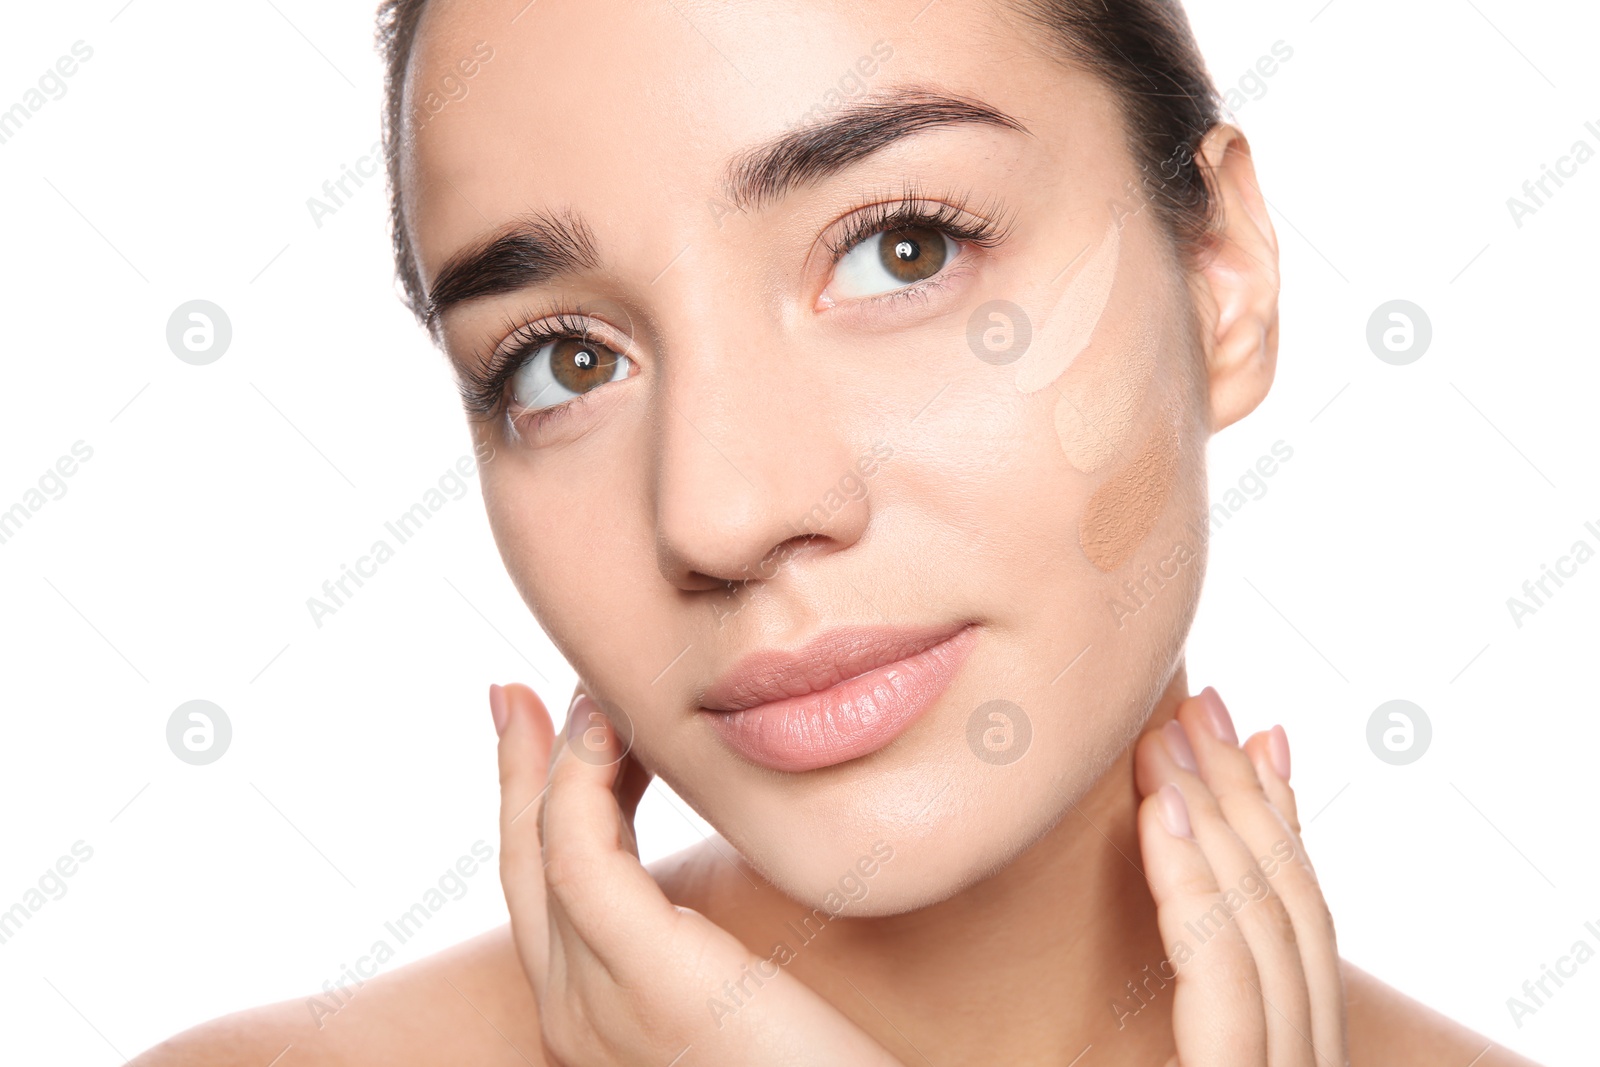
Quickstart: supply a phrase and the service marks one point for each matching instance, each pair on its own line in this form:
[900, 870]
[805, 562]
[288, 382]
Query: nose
[753, 465]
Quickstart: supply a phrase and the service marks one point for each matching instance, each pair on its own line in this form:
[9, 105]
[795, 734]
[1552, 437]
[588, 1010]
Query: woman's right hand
[623, 976]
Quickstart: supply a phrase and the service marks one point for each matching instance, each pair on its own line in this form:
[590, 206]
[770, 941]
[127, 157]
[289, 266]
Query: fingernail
[1217, 716]
[1174, 811]
[1278, 750]
[1178, 746]
[497, 708]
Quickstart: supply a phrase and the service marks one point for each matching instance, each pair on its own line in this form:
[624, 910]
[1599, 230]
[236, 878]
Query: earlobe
[1237, 282]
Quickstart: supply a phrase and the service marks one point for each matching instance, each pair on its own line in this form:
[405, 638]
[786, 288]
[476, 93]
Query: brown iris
[912, 253]
[579, 365]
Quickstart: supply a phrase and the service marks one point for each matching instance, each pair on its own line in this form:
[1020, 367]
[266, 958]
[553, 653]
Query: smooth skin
[617, 956]
[1022, 900]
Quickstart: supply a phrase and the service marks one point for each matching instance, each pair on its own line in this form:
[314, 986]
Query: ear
[1236, 288]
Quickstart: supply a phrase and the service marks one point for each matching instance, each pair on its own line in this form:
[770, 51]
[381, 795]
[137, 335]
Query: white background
[177, 565]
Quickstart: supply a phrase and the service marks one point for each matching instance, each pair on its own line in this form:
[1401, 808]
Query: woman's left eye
[891, 259]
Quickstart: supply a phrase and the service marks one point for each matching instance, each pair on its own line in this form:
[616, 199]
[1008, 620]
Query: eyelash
[483, 393]
[984, 230]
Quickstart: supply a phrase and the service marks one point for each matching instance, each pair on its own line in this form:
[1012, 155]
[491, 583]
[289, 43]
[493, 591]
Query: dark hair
[1143, 49]
[397, 33]
[1146, 52]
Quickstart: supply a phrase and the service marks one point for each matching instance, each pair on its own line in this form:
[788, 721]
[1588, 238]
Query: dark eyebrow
[758, 176]
[531, 249]
[535, 248]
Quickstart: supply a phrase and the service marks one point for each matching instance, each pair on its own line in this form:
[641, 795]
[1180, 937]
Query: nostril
[700, 582]
[784, 552]
[735, 585]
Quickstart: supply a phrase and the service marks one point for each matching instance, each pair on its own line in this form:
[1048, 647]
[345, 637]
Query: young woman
[844, 373]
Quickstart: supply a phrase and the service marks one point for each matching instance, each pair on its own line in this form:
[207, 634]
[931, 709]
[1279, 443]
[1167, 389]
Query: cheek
[1123, 511]
[1095, 359]
[1103, 394]
[555, 558]
[519, 529]
[585, 572]
[1116, 418]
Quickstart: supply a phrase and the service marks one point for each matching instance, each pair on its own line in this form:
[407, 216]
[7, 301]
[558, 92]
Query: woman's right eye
[564, 369]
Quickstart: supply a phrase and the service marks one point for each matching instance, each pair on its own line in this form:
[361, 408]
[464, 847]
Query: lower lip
[849, 720]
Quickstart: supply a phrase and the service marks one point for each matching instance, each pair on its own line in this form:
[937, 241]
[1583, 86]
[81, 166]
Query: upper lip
[828, 659]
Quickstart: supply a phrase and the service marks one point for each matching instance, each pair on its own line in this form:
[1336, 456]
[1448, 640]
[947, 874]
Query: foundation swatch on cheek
[1071, 321]
[1124, 509]
[1101, 396]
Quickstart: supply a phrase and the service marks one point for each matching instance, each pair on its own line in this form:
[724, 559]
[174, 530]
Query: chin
[914, 824]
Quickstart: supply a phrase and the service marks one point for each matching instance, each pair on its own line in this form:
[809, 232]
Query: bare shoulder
[468, 1004]
[1388, 1027]
[471, 1003]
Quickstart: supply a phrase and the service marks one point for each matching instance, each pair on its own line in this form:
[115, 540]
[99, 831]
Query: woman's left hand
[1241, 915]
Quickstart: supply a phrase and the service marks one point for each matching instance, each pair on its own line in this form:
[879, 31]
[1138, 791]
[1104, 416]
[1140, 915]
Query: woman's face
[777, 420]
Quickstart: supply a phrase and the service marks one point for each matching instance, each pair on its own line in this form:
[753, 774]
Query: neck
[1056, 952]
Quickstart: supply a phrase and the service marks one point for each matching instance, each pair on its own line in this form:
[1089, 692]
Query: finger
[1269, 753]
[1217, 1018]
[526, 736]
[1247, 900]
[617, 941]
[632, 781]
[632, 778]
[598, 890]
[1245, 788]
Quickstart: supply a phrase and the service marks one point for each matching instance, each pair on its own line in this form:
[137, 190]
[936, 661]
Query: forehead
[626, 109]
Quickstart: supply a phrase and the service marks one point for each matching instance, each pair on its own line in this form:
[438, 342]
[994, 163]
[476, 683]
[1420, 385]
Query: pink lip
[848, 693]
